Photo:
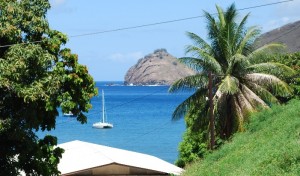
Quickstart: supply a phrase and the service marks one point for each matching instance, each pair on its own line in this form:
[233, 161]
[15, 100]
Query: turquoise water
[141, 116]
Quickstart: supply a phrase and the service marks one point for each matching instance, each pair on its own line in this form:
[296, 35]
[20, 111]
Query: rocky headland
[158, 68]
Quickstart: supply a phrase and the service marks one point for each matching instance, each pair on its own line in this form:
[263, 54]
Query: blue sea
[141, 116]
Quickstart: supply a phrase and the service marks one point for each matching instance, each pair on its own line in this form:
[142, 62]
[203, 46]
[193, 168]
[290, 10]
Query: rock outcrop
[158, 68]
[288, 34]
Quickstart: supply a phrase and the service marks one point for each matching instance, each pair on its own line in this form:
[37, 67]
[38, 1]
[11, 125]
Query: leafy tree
[292, 60]
[37, 75]
[194, 143]
[242, 82]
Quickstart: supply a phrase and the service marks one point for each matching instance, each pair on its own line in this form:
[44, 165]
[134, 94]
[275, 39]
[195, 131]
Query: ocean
[141, 116]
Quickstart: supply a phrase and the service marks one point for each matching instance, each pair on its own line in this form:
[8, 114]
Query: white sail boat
[103, 123]
[69, 114]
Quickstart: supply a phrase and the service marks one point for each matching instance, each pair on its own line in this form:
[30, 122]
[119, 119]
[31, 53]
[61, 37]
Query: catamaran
[103, 123]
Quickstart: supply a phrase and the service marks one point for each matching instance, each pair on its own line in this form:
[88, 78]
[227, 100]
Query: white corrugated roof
[81, 155]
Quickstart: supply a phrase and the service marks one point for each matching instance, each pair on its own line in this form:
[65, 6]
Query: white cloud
[127, 57]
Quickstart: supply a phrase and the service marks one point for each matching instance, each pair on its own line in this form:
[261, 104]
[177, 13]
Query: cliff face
[158, 68]
[288, 34]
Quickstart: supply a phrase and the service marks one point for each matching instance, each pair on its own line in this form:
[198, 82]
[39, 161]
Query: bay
[141, 116]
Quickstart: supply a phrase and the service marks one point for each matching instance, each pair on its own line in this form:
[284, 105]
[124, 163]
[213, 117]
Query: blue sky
[108, 56]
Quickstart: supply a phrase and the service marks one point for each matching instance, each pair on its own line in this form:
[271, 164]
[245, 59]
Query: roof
[82, 156]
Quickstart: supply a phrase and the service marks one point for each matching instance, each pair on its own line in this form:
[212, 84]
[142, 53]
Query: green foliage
[194, 143]
[195, 139]
[270, 146]
[192, 147]
[37, 75]
[292, 60]
[245, 80]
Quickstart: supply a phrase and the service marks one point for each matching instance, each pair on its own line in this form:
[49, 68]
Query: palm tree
[242, 82]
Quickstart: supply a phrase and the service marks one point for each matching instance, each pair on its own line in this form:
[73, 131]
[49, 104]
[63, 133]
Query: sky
[109, 55]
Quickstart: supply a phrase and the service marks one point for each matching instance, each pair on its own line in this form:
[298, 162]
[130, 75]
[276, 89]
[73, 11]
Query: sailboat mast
[103, 106]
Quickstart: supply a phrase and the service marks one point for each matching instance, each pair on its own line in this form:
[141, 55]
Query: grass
[270, 146]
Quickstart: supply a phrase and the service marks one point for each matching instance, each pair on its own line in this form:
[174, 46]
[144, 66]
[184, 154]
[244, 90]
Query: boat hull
[69, 115]
[102, 125]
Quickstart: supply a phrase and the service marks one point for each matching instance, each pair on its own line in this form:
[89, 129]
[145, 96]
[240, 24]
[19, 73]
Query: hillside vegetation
[270, 146]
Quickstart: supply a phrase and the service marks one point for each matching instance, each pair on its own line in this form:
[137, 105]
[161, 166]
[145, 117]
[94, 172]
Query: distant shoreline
[122, 83]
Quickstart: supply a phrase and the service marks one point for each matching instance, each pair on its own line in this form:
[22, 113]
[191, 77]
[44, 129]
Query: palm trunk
[211, 113]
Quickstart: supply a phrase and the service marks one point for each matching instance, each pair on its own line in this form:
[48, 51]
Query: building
[83, 158]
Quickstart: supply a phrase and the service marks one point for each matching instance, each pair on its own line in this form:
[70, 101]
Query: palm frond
[229, 29]
[245, 105]
[211, 25]
[190, 82]
[229, 85]
[192, 62]
[278, 86]
[237, 114]
[270, 47]
[197, 98]
[215, 36]
[221, 16]
[253, 99]
[273, 68]
[209, 62]
[199, 42]
[239, 31]
[251, 33]
[262, 93]
[230, 14]
[259, 55]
